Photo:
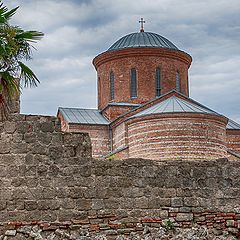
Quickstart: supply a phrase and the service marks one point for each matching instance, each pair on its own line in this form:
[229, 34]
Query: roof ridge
[186, 105]
[79, 108]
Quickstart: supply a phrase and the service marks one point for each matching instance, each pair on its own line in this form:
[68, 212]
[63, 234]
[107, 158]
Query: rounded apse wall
[172, 64]
[177, 136]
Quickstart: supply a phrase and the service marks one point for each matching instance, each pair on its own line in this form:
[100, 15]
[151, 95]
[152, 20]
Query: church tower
[137, 68]
[144, 109]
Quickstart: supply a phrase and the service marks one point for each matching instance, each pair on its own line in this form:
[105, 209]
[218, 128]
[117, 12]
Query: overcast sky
[78, 30]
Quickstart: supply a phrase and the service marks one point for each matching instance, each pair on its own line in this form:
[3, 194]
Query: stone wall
[99, 135]
[50, 184]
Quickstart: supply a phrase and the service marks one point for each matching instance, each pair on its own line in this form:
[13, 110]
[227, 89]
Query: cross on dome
[142, 21]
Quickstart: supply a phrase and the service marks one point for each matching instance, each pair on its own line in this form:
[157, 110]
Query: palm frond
[10, 13]
[29, 35]
[27, 76]
[15, 46]
[6, 14]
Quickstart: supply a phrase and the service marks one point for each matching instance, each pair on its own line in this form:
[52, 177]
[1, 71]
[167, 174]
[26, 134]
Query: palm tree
[15, 47]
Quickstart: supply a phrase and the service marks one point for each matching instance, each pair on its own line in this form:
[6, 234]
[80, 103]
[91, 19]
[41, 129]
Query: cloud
[78, 30]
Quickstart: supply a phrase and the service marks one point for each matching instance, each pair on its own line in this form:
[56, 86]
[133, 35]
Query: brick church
[144, 109]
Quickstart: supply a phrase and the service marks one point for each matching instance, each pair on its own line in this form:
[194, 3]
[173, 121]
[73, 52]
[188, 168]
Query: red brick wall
[112, 112]
[145, 60]
[233, 140]
[64, 124]
[99, 136]
[119, 136]
[177, 136]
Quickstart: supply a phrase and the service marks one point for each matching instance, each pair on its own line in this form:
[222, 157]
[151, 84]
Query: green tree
[15, 47]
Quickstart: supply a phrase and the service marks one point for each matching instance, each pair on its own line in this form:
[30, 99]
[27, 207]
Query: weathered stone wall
[99, 135]
[49, 180]
[33, 152]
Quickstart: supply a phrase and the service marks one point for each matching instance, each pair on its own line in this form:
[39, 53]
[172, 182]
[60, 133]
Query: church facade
[144, 108]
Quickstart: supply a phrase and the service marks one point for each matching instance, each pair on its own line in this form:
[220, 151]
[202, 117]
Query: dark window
[178, 81]
[99, 90]
[158, 82]
[111, 85]
[133, 83]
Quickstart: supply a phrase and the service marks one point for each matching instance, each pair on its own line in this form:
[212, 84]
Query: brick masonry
[99, 135]
[112, 112]
[176, 136]
[120, 139]
[233, 140]
[48, 179]
[169, 61]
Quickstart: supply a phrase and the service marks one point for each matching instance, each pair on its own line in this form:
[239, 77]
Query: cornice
[140, 52]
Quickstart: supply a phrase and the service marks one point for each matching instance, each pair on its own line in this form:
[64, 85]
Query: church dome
[142, 39]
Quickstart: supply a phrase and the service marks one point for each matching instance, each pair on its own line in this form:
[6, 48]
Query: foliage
[168, 224]
[15, 47]
[111, 157]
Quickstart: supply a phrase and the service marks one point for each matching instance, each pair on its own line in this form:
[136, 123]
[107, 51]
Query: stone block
[30, 137]
[181, 217]
[24, 127]
[163, 214]
[83, 204]
[191, 202]
[3, 171]
[4, 147]
[3, 205]
[141, 202]
[47, 127]
[97, 204]
[230, 223]
[73, 139]
[9, 126]
[111, 203]
[164, 202]
[30, 205]
[46, 138]
[10, 233]
[176, 202]
[167, 192]
[185, 209]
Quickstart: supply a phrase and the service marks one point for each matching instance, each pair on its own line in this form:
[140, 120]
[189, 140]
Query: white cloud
[76, 31]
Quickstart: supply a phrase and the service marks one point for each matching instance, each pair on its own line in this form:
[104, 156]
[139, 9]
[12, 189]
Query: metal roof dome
[142, 39]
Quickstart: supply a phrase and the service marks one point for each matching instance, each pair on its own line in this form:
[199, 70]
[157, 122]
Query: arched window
[111, 85]
[99, 91]
[158, 82]
[133, 83]
[178, 81]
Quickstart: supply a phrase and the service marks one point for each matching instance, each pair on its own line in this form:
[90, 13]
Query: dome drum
[145, 61]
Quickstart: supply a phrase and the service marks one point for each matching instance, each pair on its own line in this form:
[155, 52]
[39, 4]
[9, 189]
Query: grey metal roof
[142, 39]
[233, 125]
[175, 104]
[83, 116]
